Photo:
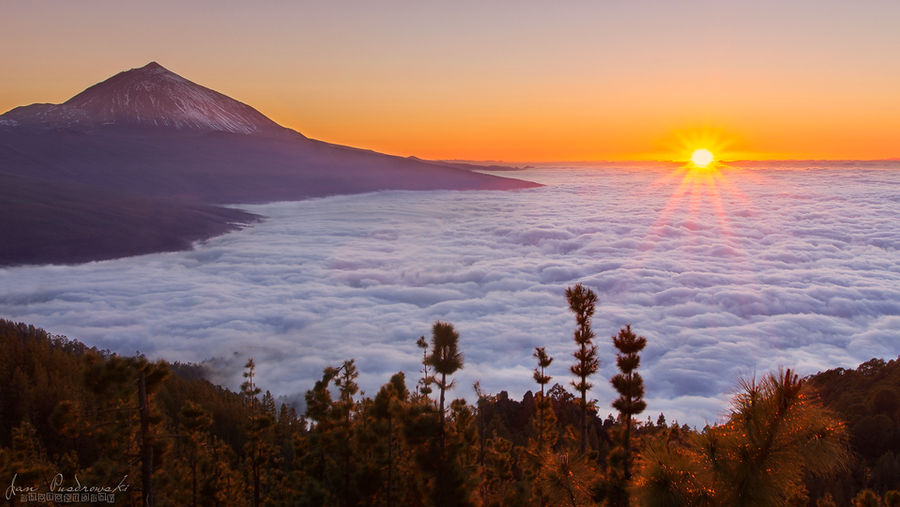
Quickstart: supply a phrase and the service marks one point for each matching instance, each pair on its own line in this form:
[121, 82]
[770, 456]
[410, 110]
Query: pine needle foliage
[630, 387]
[777, 433]
[544, 361]
[581, 302]
[445, 358]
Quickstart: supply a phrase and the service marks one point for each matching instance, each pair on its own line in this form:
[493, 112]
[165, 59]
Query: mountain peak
[149, 96]
[153, 68]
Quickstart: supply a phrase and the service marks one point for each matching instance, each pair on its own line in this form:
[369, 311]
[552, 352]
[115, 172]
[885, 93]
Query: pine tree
[581, 302]
[249, 388]
[630, 402]
[346, 383]
[445, 358]
[567, 478]
[258, 449]
[114, 380]
[316, 449]
[500, 466]
[421, 437]
[777, 435]
[484, 401]
[539, 455]
[542, 379]
[196, 422]
[25, 463]
[423, 386]
[457, 476]
[388, 411]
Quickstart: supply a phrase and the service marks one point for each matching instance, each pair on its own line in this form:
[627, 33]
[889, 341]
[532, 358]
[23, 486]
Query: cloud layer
[726, 276]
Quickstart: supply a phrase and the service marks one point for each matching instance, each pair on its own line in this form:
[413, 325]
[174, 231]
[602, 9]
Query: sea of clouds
[727, 276]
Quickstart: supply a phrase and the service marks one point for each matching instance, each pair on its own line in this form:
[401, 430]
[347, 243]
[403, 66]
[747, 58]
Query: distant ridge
[148, 133]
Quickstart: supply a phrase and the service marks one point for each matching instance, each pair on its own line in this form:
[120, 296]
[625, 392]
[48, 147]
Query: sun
[702, 158]
[704, 148]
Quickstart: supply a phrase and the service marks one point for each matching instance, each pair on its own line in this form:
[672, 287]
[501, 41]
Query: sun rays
[704, 187]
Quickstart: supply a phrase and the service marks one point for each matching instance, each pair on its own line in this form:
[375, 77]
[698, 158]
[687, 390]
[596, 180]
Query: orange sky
[514, 81]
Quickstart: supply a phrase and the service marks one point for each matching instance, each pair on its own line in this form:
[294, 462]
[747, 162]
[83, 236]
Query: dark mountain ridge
[148, 133]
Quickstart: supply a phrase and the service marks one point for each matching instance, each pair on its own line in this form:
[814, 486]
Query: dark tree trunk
[583, 445]
[443, 385]
[146, 448]
[540, 409]
[256, 473]
[390, 477]
[194, 481]
[628, 450]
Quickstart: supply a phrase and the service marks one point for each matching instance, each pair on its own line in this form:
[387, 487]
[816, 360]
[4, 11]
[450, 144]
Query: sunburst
[703, 179]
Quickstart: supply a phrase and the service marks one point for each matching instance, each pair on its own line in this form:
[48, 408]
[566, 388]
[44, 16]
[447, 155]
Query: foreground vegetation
[66, 409]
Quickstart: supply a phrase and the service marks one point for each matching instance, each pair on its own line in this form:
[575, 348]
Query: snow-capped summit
[147, 96]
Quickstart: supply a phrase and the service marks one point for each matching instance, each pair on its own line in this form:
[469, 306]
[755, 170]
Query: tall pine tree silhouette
[346, 383]
[630, 402]
[581, 302]
[257, 448]
[445, 358]
[542, 379]
[423, 386]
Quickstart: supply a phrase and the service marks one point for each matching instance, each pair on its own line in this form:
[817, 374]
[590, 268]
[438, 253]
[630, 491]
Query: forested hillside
[160, 431]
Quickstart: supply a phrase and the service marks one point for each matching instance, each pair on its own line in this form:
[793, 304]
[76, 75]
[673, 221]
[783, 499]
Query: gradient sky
[504, 80]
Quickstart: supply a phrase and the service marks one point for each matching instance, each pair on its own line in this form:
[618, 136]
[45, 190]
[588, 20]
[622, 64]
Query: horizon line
[644, 161]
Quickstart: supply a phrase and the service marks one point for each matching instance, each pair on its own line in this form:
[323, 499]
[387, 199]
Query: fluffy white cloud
[767, 267]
